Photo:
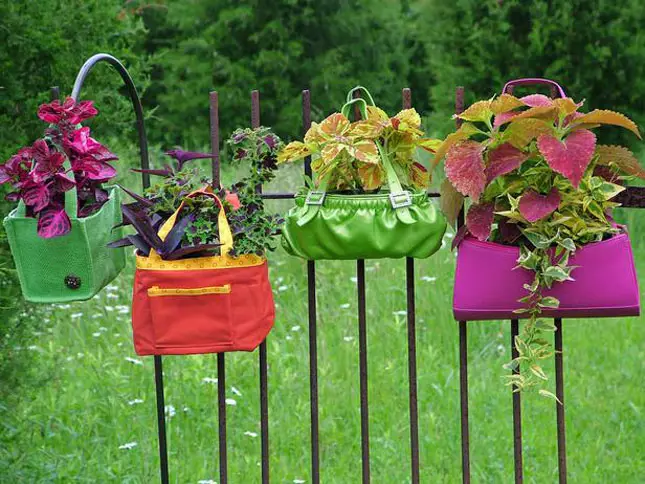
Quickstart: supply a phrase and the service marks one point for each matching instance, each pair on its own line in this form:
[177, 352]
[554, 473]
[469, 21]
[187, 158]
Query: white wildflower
[135, 401]
[348, 338]
[112, 296]
[209, 380]
[170, 411]
[428, 279]
[282, 288]
[134, 361]
[109, 309]
[353, 279]
[236, 391]
[250, 434]
[400, 313]
[76, 315]
[206, 481]
[295, 328]
[97, 334]
[345, 306]
[128, 446]
[230, 401]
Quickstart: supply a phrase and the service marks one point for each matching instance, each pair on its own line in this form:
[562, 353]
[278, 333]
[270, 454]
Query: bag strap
[364, 91]
[71, 198]
[534, 81]
[225, 234]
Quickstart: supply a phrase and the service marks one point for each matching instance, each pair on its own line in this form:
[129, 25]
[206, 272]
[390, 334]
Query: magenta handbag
[488, 287]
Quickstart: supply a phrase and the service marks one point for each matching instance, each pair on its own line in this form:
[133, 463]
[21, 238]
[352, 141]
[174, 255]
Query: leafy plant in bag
[66, 157]
[195, 234]
[349, 155]
[537, 179]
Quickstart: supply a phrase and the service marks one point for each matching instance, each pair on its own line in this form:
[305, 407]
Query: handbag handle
[364, 91]
[533, 81]
[362, 107]
[225, 234]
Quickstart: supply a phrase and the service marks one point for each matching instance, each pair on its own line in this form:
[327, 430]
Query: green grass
[77, 402]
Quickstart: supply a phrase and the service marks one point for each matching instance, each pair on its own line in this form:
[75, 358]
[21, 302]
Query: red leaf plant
[537, 179]
[40, 176]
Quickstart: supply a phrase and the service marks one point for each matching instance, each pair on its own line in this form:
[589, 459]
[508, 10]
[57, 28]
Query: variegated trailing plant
[537, 179]
[348, 155]
[195, 234]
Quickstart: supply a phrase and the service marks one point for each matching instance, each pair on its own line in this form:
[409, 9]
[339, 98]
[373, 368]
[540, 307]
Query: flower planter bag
[488, 287]
[393, 224]
[72, 267]
[202, 305]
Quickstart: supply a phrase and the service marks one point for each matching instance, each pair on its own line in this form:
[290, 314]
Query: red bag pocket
[192, 317]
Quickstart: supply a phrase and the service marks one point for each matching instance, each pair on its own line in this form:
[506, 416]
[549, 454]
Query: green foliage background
[177, 51]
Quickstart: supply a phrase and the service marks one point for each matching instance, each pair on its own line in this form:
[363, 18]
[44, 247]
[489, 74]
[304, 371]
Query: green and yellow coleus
[348, 155]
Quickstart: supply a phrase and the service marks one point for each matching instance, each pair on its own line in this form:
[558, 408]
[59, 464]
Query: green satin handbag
[390, 224]
[73, 267]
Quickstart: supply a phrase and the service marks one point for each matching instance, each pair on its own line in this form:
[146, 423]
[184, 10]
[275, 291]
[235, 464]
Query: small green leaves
[548, 394]
[548, 302]
[558, 273]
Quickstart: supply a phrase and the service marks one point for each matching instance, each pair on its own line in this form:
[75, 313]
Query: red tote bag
[203, 305]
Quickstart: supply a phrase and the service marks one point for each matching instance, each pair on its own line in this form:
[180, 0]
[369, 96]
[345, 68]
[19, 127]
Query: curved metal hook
[134, 97]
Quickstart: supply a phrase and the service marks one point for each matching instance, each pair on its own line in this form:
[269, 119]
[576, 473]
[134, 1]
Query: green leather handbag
[390, 224]
[73, 267]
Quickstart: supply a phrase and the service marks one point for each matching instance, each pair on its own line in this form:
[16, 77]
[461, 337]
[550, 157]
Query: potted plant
[539, 239]
[368, 199]
[201, 282]
[65, 214]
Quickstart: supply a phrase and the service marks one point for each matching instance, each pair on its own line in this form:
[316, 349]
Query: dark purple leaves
[165, 172]
[144, 201]
[143, 225]
[184, 156]
[534, 206]
[192, 250]
[173, 239]
[53, 223]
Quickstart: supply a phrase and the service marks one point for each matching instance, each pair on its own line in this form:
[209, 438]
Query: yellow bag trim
[199, 263]
[156, 291]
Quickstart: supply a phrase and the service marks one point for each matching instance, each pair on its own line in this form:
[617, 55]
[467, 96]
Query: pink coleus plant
[40, 176]
[538, 179]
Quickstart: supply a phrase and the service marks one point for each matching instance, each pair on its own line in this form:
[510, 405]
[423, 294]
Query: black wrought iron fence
[633, 197]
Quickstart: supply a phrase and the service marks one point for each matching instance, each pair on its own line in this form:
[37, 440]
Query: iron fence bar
[559, 407]
[463, 344]
[463, 394]
[221, 357]
[264, 388]
[362, 358]
[221, 414]
[313, 338]
[161, 420]
[406, 102]
[85, 70]
[517, 410]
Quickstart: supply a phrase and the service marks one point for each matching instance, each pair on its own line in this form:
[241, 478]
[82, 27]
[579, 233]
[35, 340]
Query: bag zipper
[156, 291]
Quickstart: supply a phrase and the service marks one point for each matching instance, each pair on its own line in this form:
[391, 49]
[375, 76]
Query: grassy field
[86, 409]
